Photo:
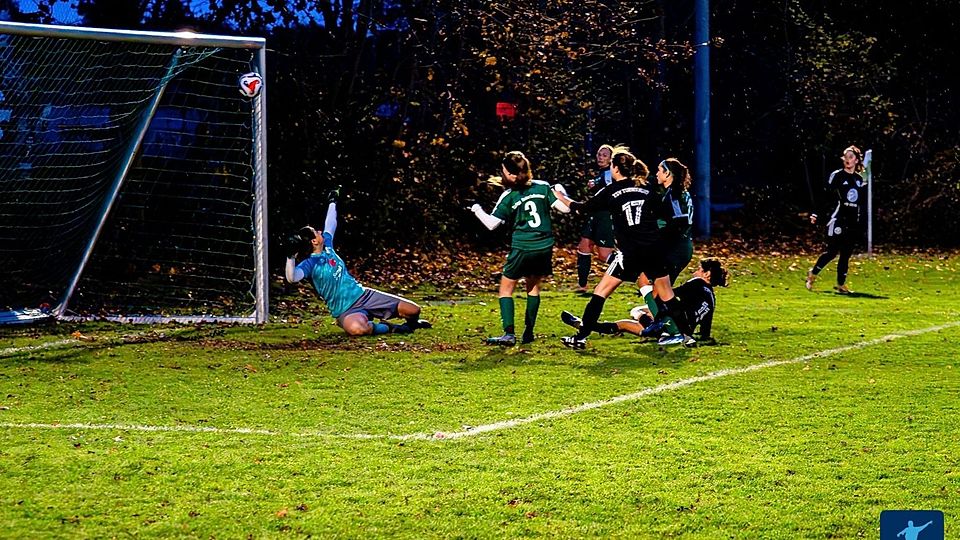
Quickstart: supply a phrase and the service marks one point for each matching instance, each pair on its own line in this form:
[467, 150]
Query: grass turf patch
[811, 449]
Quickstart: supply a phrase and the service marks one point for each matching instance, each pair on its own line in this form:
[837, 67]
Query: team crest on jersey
[853, 195]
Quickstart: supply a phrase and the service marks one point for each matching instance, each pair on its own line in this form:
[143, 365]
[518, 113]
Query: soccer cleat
[654, 330]
[675, 339]
[570, 319]
[689, 341]
[527, 337]
[843, 289]
[419, 324]
[574, 342]
[811, 277]
[398, 328]
[506, 340]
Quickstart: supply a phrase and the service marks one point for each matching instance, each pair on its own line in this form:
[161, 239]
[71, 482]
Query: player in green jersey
[525, 206]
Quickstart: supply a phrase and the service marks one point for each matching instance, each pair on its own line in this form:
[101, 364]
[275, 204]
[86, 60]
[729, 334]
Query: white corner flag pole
[868, 171]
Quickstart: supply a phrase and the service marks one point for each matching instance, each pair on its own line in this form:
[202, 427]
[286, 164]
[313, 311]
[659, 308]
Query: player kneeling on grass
[353, 305]
[697, 304]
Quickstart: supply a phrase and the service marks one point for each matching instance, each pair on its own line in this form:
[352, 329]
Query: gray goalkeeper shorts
[375, 305]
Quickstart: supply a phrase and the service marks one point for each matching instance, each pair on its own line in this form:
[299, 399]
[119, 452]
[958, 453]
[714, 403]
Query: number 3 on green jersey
[531, 208]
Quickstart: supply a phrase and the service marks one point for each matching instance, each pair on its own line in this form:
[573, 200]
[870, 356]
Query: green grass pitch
[293, 430]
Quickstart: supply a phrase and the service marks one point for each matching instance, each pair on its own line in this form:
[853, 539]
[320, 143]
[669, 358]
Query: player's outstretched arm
[491, 222]
[292, 247]
[559, 205]
[330, 222]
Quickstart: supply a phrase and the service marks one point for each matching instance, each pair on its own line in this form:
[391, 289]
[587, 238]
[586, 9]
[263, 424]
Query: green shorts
[521, 263]
[599, 229]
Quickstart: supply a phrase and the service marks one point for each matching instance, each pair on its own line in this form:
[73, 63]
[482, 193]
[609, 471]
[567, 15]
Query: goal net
[132, 176]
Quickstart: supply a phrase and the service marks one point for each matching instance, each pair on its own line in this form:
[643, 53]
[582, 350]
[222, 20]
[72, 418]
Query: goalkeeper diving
[359, 310]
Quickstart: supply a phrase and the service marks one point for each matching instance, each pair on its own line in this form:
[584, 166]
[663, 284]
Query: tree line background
[396, 101]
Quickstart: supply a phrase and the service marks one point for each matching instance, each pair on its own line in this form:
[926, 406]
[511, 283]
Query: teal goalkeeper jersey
[527, 211]
[333, 283]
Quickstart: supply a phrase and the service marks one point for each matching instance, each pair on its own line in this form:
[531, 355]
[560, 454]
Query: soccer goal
[132, 176]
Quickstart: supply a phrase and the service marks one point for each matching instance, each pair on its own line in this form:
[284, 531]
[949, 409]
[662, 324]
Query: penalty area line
[496, 426]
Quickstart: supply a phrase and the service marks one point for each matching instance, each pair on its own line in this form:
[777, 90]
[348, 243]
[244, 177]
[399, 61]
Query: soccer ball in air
[251, 84]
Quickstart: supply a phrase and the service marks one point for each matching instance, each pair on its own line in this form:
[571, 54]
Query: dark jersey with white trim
[847, 193]
[698, 302]
[634, 210]
[677, 216]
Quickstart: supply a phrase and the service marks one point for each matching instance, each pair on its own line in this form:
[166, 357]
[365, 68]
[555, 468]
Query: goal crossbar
[258, 148]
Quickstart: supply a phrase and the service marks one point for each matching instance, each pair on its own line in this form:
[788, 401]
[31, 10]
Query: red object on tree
[506, 111]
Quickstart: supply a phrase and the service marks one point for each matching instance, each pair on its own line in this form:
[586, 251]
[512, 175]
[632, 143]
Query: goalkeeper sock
[506, 314]
[380, 328]
[530, 315]
[583, 268]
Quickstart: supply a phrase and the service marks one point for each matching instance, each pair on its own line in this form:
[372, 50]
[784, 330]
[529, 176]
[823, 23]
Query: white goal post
[132, 176]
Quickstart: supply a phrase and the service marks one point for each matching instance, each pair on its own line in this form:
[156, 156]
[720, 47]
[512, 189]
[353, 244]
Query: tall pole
[868, 173]
[701, 130]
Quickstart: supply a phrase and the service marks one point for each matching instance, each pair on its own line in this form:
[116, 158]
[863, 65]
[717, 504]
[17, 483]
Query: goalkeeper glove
[333, 195]
[292, 245]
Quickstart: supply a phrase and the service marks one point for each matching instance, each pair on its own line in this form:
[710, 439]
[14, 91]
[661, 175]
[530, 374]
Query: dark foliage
[396, 102]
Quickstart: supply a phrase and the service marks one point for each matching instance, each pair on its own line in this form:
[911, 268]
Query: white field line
[497, 426]
[10, 351]
[119, 340]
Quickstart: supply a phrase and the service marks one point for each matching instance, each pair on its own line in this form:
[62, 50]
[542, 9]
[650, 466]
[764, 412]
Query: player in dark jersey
[846, 191]
[351, 304]
[597, 232]
[525, 205]
[676, 224]
[697, 301]
[677, 219]
[635, 208]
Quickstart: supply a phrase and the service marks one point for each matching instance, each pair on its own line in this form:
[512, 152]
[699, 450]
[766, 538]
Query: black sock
[583, 269]
[591, 314]
[607, 328]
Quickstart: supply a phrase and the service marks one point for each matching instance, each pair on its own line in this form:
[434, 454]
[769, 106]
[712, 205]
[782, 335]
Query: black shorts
[629, 266]
[598, 228]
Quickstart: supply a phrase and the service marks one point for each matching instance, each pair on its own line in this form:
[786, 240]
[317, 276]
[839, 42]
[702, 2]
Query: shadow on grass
[601, 358]
[855, 294]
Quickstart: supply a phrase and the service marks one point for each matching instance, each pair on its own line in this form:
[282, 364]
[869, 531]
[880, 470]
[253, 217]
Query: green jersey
[527, 211]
